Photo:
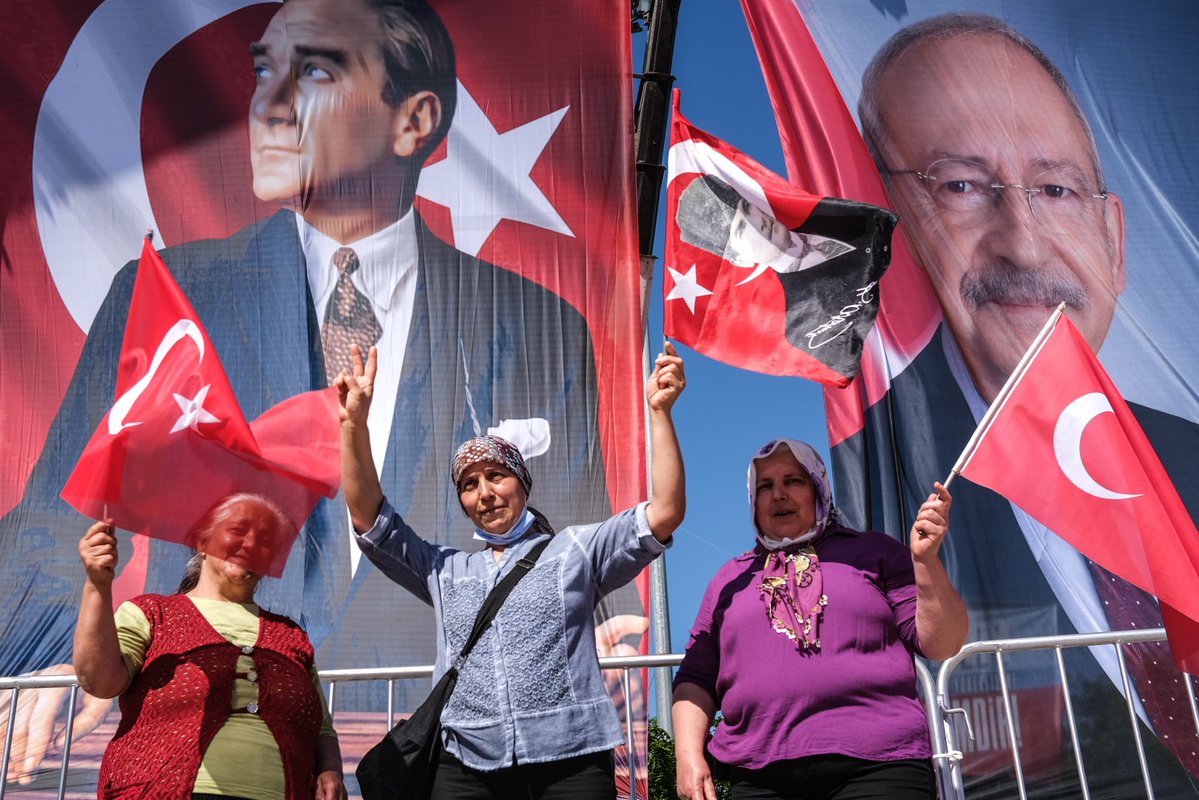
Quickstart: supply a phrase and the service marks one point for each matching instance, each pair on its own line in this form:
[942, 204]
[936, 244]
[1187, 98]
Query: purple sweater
[856, 697]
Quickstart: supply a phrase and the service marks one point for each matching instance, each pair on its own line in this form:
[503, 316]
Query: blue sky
[725, 413]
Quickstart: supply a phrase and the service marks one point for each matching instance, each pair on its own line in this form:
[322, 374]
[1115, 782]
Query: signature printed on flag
[819, 336]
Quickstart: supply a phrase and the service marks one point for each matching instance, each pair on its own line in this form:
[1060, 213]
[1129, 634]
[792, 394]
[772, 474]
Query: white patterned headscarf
[497, 450]
[810, 461]
[792, 584]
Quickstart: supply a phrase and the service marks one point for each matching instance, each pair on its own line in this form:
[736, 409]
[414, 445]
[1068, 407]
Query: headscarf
[493, 449]
[496, 450]
[792, 581]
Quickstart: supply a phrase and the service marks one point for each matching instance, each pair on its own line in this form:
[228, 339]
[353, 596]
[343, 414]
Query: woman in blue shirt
[530, 715]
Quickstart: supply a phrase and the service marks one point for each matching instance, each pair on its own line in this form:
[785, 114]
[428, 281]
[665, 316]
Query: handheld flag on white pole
[1061, 443]
[1004, 393]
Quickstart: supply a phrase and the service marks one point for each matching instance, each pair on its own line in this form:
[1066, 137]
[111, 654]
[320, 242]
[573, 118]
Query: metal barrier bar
[946, 756]
[1066, 640]
[1073, 725]
[626, 686]
[330, 678]
[936, 731]
[12, 721]
[1191, 697]
[1126, 681]
[66, 748]
[1009, 718]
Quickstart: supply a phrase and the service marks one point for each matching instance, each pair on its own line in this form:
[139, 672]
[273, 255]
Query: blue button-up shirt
[531, 690]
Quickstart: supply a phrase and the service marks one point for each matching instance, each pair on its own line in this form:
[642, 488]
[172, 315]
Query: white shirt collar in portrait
[387, 276]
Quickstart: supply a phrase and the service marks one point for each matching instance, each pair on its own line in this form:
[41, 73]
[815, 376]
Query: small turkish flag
[175, 443]
[1066, 448]
[762, 275]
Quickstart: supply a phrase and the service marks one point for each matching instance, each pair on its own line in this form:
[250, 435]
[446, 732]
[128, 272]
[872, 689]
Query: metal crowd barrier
[949, 755]
[936, 696]
[331, 678]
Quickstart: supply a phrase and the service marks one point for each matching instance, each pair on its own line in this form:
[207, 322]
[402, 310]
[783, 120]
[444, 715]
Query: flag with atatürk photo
[762, 275]
[1061, 442]
[175, 442]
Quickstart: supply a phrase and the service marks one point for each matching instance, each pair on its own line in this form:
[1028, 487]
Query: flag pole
[1004, 393]
[649, 136]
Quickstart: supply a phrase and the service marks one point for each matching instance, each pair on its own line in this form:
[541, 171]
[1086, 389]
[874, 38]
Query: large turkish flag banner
[128, 115]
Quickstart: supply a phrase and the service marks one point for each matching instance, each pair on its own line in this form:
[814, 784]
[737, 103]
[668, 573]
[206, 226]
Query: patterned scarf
[792, 582]
[793, 589]
[507, 455]
[493, 449]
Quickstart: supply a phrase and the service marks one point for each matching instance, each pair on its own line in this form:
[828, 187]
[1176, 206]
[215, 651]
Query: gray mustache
[1007, 284]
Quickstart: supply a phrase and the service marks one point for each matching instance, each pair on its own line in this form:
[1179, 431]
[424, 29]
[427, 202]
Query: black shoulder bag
[404, 763]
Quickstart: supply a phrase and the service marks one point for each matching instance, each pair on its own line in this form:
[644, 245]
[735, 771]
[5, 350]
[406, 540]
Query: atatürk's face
[319, 127]
[975, 114]
[756, 238]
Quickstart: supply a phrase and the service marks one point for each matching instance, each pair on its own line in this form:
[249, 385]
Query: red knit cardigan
[183, 695]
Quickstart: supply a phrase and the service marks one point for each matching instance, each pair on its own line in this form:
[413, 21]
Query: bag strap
[496, 598]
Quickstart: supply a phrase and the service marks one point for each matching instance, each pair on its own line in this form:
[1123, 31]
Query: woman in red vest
[219, 698]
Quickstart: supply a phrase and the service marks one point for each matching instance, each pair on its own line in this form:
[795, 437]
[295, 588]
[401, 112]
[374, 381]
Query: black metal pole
[653, 104]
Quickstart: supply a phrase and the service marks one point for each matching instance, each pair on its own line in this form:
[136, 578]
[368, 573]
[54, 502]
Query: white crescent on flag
[183, 329]
[1067, 443]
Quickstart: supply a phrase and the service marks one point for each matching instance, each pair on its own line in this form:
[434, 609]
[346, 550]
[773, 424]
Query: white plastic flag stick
[1004, 393]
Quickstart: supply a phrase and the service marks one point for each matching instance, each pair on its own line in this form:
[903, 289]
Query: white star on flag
[485, 178]
[686, 287]
[194, 412]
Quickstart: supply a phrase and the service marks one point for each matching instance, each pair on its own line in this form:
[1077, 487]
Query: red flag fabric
[762, 275]
[1066, 448]
[176, 443]
[825, 154]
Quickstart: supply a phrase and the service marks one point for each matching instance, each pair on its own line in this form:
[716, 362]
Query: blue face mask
[514, 533]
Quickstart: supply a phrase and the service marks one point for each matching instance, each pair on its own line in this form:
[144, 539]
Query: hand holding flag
[931, 525]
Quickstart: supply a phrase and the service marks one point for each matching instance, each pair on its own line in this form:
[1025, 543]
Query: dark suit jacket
[528, 353]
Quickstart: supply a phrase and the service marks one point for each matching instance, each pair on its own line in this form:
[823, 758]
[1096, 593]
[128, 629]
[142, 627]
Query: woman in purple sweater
[805, 644]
